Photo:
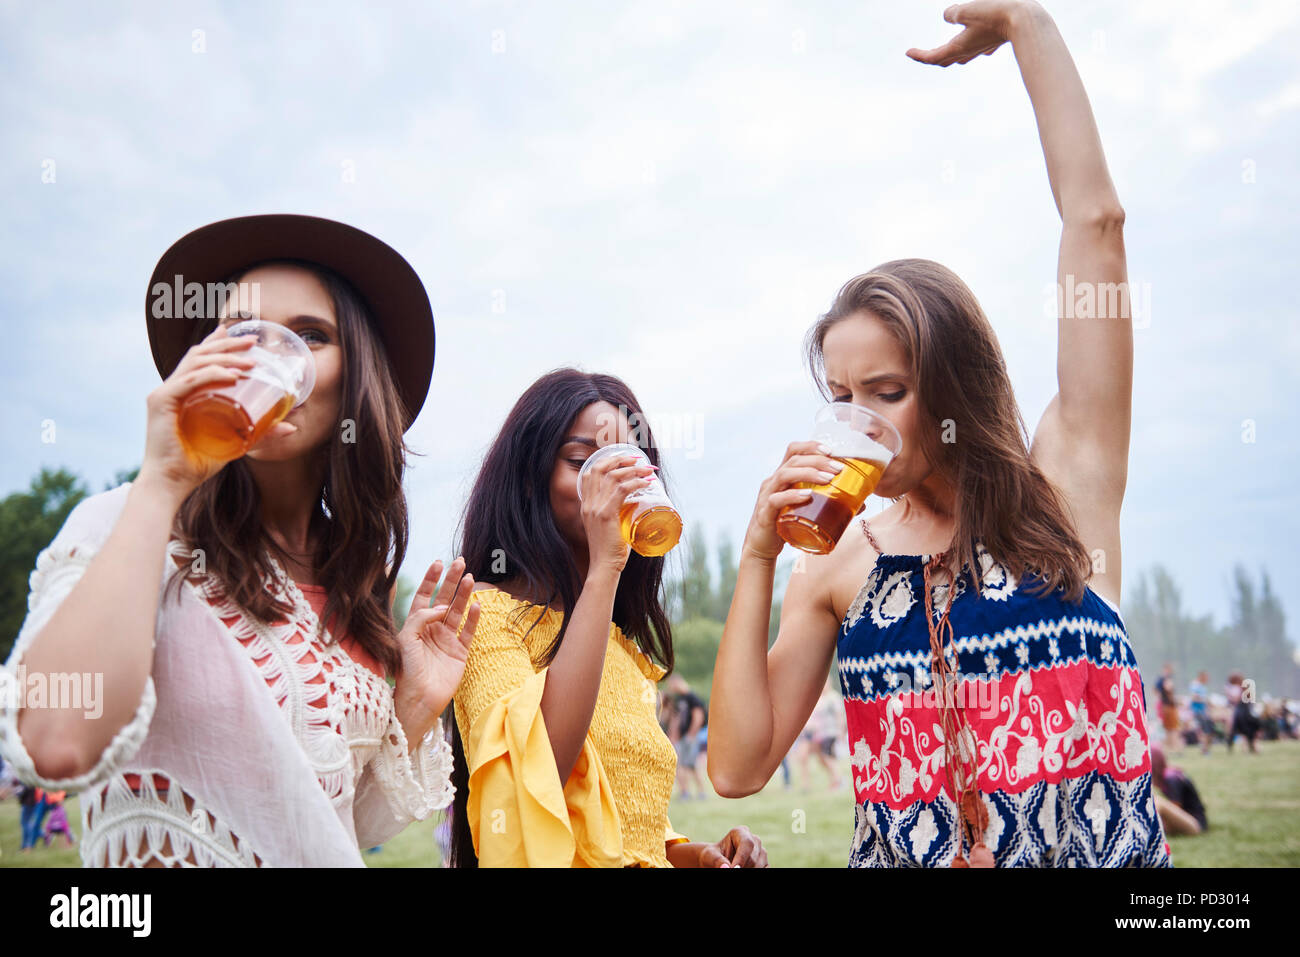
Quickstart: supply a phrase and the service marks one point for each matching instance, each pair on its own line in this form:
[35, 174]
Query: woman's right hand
[605, 487]
[804, 462]
[987, 26]
[216, 361]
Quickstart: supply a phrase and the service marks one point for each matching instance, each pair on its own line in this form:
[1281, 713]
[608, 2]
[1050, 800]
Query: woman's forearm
[416, 719]
[105, 626]
[740, 712]
[684, 853]
[1076, 165]
[573, 678]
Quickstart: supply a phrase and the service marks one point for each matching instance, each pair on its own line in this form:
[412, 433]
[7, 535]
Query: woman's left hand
[434, 647]
[988, 26]
[739, 848]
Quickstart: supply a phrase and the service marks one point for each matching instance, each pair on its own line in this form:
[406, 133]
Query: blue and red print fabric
[1052, 693]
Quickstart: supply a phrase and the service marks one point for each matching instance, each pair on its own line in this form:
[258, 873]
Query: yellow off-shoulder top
[613, 810]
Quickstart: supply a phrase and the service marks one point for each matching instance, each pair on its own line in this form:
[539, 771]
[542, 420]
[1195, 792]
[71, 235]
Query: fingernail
[824, 450]
[836, 467]
[825, 476]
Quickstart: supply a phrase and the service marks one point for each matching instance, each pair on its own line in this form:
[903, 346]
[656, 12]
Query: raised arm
[105, 624]
[1082, 442]
[573, 680]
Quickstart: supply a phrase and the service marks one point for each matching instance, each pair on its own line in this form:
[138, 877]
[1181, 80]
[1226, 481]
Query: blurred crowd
[684, 716]
[1201, 717]
[43, 816]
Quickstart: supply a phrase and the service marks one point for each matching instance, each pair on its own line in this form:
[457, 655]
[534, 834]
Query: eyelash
[888, 397]
[313, 332]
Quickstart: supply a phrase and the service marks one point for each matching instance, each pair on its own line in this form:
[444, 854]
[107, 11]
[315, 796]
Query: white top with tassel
[253, 744]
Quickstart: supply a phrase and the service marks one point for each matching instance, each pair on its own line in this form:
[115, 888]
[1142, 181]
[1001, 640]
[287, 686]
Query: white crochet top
[254, 744]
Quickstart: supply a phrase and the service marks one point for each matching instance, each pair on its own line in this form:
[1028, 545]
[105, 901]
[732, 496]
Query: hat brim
[393, 294]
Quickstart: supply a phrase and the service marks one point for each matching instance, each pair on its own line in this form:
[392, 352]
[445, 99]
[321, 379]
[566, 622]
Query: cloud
[672, 193]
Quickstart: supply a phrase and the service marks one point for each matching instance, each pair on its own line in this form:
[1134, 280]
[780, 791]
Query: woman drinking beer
[239, 612]
[565, 763]
[994, 705]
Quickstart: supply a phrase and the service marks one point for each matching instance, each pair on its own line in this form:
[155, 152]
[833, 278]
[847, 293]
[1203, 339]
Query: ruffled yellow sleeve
[672, 837]
[519, 815]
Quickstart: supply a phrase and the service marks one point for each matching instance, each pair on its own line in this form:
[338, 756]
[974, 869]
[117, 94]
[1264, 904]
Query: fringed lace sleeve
[397, 788]
[58, 569]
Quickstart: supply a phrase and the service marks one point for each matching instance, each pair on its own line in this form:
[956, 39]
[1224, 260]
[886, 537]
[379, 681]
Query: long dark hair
[360, 521]
[1003, 498]
[509, 517]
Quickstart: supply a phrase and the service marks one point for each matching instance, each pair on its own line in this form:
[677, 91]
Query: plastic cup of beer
[647, 520]
[223, 423]
[865, 443]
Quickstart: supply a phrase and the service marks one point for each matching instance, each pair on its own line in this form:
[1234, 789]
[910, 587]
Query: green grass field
[1253, 803]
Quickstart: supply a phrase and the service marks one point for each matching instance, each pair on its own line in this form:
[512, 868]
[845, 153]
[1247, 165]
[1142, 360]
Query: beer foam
[285, 372]
[846, 442]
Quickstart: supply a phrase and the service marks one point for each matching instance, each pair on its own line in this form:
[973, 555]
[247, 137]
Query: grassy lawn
[1253, 804]
[414, 847]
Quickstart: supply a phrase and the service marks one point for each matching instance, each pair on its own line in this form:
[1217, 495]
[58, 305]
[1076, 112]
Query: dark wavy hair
[360, 520]
[1003, 498]
[509, 511]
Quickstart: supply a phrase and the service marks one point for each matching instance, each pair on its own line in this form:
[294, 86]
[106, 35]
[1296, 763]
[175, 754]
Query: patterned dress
[1050, 690]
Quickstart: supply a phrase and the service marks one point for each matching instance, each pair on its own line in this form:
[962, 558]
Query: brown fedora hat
[393, 294]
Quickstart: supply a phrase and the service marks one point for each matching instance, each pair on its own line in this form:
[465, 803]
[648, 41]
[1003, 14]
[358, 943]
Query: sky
[671, 193]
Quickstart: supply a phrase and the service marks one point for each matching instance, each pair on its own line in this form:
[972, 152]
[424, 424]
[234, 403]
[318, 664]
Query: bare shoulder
[848, 567]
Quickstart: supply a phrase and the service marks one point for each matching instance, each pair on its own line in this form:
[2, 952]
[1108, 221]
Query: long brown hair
[1003, 499]
[360, 523]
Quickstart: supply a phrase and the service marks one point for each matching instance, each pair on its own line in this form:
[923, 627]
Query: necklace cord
[959, 744]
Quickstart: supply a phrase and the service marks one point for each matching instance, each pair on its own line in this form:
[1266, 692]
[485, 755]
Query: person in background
[1199, 693]
[1168, 706]
[1177, 801]
[32, 800]
[1244, 722]
[702, 753]
[1286, 721]
[58, 819]
[689, 718]
[820, 736]
[1272, 722]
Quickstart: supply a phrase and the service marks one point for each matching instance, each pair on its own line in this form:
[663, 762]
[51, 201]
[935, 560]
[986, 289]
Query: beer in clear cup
[864, 443]
[647, 520]
[222, 423]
